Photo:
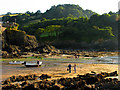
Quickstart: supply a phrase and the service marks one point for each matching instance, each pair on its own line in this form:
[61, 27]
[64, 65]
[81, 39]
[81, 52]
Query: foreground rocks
[89, 81]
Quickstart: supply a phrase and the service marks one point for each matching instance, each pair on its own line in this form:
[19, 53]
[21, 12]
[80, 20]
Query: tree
[8, 13]
[38, 12]
[38, 32]
[27, 12]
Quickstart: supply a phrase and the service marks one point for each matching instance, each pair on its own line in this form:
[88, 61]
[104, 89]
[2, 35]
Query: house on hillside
[10, 25]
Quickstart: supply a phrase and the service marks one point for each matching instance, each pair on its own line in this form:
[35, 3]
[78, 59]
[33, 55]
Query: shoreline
[60, 61]
[56, 69]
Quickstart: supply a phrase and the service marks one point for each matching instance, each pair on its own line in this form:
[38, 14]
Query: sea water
[107, 60]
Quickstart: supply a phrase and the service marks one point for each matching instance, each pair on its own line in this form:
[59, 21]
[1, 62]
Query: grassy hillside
[60, 11]
[68, 25]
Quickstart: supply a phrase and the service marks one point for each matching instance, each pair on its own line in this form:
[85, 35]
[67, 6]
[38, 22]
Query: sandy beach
[56, 69]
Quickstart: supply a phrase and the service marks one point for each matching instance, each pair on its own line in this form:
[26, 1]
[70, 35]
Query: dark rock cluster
[20, 78]
[89, 81]
[48, 49]
[87, 53]
[24, 78]
[44, 76]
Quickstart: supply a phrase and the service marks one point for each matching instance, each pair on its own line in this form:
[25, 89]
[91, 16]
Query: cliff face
[15, 41]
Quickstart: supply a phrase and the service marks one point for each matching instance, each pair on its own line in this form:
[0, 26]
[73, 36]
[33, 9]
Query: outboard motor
[24, 62]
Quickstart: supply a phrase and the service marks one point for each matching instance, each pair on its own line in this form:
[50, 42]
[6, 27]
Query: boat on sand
[16, 62]
[33, 64]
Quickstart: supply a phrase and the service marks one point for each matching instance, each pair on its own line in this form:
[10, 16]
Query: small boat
[16, 62]
[32, 64]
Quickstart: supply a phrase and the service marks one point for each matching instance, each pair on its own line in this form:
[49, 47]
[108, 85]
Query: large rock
[15, 41]
[19, 38]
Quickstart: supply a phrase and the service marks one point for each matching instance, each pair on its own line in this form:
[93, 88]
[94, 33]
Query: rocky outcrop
[46, 49]
[15, 41]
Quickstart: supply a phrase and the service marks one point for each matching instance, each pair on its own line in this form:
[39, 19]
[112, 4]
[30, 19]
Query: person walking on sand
[74, 68]
[69, 66]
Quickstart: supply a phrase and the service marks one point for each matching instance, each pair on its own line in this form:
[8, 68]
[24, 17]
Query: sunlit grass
[13, 15]
[10, 15]
[46, 59]
[19, 59]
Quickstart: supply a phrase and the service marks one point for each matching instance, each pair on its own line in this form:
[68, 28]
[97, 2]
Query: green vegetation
[19, 59]
[60, 11]
[35, 59]
[67, 10]
[9, 15]
[78, 29]
[68, 23]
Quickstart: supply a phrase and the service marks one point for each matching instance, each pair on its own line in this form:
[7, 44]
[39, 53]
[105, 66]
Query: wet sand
[56, 69]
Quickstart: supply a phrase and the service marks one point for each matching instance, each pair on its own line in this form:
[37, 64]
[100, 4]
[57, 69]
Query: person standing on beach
[69, 66]
[38, 62]
[74, 68]
[75, 55]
